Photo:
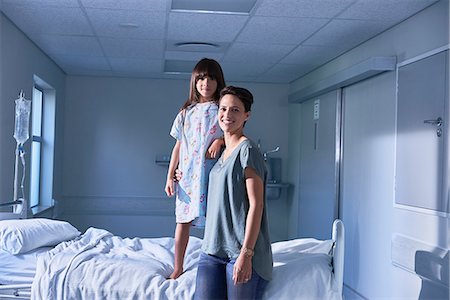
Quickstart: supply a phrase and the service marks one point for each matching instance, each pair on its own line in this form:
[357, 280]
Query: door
[420, 156]
[318, 168]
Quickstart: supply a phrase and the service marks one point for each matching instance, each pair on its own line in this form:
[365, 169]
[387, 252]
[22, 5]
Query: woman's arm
[255, 191]
[174, 159]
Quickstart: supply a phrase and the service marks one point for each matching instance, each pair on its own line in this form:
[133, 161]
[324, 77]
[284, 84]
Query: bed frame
[338, 237]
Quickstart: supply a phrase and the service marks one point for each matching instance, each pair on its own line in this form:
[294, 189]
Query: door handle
[437, 122]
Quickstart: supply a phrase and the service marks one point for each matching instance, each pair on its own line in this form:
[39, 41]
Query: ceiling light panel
[179, 66]
[216, 6]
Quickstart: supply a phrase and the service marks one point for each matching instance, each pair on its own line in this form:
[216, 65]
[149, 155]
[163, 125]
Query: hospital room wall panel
[20, 61]
[367, 202]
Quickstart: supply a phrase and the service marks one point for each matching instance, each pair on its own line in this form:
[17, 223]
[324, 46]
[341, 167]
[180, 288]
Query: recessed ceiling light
[196, 46]
[129, 25]
[216, 6]
[178, 66]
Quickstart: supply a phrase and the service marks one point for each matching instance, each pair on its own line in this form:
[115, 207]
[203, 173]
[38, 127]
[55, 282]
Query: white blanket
[99, 265]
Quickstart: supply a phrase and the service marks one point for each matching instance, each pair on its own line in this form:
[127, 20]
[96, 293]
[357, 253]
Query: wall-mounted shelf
[162, 160]
[274, 189]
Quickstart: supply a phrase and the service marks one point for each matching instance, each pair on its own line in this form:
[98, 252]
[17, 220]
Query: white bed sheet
[19, 269]
[99, 265]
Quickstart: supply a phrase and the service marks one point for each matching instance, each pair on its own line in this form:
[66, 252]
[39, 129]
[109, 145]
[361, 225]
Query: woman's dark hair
[206, 67]
[243, 94]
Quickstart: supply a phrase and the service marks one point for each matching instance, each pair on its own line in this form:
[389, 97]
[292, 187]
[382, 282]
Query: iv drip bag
[21, 128]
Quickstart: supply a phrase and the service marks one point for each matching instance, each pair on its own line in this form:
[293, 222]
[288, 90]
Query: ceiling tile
[49, 20]
[192, 56]
[345, 33]
[107, 23]
[154, 5]
[204, 27]
[133, 48]
[254, 53]
[136, 65]
[75, 45]
[384, 10]
[286, 73]
[40, 3]
[74, 64]
[278, 30]
[234, 71]
[302, 8]
[309, 54]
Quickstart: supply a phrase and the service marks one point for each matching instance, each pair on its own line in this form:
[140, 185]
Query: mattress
[19, 269]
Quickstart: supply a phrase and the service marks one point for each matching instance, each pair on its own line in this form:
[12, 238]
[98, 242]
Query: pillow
[20, 236]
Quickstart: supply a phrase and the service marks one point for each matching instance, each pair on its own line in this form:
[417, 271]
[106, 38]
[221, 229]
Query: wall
[369, 162]
[20, 60]
[108, 134]
[115, 128]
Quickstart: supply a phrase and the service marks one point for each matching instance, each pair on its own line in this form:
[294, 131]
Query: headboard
[338, 236]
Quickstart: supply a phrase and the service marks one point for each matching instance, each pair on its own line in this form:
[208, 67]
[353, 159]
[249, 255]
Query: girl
[198, 143]
[236, 262]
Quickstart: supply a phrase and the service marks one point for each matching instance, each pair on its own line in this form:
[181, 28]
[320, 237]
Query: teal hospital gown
[196, 129]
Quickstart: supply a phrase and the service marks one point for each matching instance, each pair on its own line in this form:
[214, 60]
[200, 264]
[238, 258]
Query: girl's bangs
[202, 75]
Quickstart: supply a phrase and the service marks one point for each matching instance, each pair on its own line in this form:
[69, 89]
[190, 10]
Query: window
[36, 146]
[43, 108]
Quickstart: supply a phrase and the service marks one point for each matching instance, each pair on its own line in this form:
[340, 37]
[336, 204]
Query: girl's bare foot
[175, 274]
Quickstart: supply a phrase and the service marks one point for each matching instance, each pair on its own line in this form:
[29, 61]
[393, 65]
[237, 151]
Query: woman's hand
[214, 149]
[242, 270]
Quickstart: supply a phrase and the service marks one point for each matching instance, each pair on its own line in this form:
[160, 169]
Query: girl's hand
[170, 187]
[214, 149]
[242, 270]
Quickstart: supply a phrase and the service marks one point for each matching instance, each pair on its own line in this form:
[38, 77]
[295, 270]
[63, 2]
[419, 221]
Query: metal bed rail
[15, 291]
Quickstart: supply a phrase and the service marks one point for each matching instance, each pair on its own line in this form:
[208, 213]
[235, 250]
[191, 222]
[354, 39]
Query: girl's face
[232, 114]
[206, 87]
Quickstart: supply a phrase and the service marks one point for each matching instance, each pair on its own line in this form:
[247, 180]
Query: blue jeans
[215, 281]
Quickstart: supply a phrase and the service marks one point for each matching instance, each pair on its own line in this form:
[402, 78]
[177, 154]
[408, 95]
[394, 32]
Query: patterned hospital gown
[199, 131]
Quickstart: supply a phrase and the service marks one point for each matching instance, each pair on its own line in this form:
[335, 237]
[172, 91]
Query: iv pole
[21, 134]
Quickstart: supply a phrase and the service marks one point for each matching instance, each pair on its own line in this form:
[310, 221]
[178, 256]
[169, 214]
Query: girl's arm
[174, 159]
[255, 191]
[214, 148]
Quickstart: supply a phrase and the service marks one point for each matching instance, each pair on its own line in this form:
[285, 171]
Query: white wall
[115, 127]
[108, 133]
[369, 148]
[20, 60]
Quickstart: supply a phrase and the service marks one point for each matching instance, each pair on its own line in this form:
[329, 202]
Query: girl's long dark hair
[205, 67]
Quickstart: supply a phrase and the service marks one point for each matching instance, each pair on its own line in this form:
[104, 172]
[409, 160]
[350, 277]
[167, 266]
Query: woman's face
[232, 114]
[206, 87]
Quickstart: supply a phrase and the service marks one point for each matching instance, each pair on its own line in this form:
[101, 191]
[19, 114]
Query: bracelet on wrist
[247, 252]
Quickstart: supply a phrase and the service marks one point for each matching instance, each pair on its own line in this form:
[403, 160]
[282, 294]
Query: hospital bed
[50, 259]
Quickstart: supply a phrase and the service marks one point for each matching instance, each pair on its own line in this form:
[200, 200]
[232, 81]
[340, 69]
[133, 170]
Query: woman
[236, 262]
